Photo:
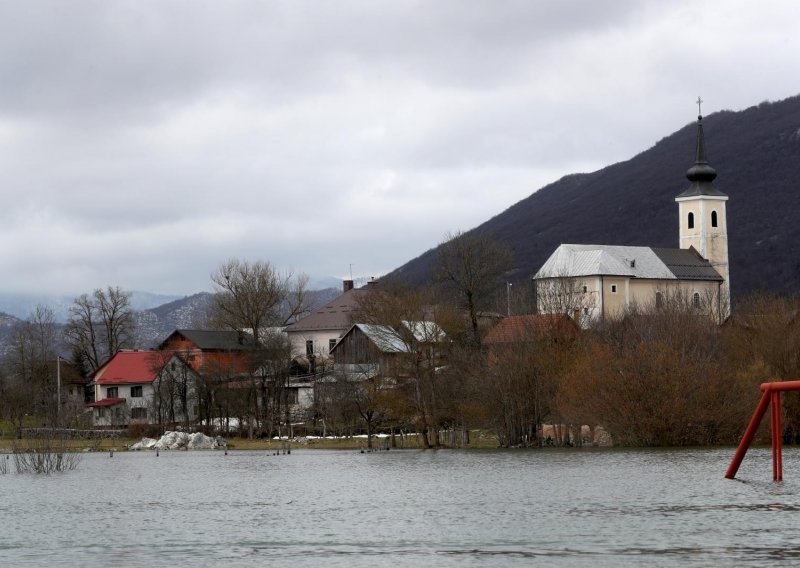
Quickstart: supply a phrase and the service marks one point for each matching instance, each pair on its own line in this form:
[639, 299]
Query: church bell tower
[703, 223]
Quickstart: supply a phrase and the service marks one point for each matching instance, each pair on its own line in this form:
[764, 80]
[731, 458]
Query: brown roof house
[315, 335]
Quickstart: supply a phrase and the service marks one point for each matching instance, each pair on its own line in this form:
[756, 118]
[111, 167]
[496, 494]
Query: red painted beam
[749, 433]
[781, 386]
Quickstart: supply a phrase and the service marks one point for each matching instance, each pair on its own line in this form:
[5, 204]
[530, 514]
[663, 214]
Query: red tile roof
[129, 367]
[518, 328]
[106, 402]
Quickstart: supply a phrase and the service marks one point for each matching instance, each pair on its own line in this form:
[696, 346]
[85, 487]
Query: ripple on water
[492, 508]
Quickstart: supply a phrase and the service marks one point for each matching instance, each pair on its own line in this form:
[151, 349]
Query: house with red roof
[146, 387]
[218, 353]
[515, 331]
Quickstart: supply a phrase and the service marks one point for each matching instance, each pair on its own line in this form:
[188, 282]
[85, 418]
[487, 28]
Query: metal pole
[748, 435]
[778, 435]
[58, 390]
[508, 297]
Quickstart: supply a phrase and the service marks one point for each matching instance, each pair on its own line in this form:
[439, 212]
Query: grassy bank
[354, 443]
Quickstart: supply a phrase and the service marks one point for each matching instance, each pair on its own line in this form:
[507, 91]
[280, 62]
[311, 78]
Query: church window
[696, 300]
[585, 289]
[691, 220]
[714, 219]
[659, 300]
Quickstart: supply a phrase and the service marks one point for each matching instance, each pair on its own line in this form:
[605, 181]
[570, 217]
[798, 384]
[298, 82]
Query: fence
[69, 433]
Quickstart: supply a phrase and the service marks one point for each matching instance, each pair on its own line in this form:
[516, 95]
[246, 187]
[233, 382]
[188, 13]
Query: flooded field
[401, 508]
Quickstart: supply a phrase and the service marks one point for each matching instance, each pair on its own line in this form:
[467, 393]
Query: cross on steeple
[699, 110]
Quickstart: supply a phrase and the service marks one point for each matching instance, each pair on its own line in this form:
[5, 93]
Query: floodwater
[600, 507]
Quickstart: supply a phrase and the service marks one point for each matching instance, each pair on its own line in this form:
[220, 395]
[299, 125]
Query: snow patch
[181, 441]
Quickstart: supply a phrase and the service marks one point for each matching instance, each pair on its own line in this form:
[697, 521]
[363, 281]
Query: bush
[139, 430]
[40, 455]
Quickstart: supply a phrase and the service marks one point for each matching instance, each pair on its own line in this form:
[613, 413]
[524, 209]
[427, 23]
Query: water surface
[405, 508]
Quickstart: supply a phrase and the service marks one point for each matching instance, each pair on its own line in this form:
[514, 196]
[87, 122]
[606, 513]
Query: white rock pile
[181, 441]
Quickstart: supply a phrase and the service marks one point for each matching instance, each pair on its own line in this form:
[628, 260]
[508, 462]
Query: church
[591, 282]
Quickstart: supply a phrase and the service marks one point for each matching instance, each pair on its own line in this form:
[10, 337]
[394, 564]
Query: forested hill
[756, 153]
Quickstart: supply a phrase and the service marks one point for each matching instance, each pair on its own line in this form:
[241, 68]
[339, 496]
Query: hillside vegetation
[756, 153]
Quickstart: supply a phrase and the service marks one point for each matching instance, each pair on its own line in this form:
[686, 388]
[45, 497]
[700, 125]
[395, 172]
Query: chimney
[347, 285]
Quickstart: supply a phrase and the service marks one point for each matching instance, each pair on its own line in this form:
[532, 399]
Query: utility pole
[58, 390]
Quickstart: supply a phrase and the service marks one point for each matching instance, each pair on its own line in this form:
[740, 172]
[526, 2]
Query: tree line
[656, 375]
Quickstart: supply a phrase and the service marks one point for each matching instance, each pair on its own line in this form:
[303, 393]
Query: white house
[317, 333]
[143, 386]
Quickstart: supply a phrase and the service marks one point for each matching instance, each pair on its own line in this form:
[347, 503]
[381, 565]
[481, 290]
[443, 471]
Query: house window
[613, 288]
[136, 392]
[309, 347]
[101, 412]
[291, 396]
[659, 300]
[331, 344]
[112, 392]
[714, 219]
[139, 413]
[691, 220]
[696, 300]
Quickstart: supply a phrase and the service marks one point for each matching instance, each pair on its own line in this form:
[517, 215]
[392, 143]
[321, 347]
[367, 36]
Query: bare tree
[473, 264]
[406, 317]
[30, 364]
[99, 326]
[561, 294]
[254, 296]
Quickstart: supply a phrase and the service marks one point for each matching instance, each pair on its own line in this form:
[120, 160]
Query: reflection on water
[447, 508]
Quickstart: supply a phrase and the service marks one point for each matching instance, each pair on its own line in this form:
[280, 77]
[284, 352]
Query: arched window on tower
[691, 220]
[696, 301]
[714, 219]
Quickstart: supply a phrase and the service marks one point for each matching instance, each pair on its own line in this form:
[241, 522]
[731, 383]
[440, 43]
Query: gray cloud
[141, 143]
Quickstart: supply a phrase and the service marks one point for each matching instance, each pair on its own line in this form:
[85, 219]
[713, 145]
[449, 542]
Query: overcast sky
[142, 143]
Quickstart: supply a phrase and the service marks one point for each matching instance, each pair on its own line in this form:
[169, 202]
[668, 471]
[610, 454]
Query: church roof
[571, 260]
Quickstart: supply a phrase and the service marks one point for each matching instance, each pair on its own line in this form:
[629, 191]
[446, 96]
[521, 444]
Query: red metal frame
[772, 398]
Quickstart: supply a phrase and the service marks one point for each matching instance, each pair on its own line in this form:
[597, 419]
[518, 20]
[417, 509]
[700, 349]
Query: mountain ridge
[756, 153]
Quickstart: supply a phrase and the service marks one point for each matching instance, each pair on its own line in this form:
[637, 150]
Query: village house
[366, 350]
[213, 353]
[513, 332]
[233, 361]
[314, 337]
[146, 387]
[591, 282]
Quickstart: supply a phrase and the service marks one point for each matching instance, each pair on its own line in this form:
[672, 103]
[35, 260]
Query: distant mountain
[756, 153]
[154, 325]
[22, 305]
[7, 323]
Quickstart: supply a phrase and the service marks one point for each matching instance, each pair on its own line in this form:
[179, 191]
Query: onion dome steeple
[701, 174]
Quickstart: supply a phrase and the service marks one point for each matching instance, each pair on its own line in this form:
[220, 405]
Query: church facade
[591, 282]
